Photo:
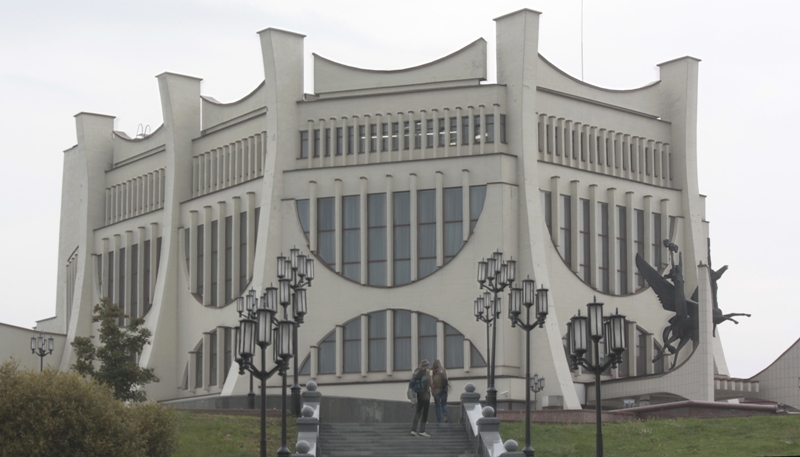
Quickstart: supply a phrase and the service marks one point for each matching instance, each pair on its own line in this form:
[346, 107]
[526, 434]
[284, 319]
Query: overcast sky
[60, 58]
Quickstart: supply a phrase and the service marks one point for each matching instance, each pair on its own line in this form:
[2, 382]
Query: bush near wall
[54, 413]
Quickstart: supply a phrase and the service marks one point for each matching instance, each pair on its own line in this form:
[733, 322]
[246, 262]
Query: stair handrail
[483, 428]
[308, 424]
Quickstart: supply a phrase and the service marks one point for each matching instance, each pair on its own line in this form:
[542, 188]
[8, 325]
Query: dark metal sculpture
[683, 325]
[717, 313]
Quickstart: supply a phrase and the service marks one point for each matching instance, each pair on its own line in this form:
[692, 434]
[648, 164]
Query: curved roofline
[401, 70]
[776, 360]
[605, 89]
[124, 136]
[214, 101]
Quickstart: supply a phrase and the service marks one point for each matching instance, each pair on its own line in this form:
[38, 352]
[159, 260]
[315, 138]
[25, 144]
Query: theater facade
[397, 183]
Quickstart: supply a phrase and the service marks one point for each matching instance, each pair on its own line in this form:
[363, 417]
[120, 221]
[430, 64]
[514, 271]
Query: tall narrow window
[465, 130]
[212, 358]
[111, 271]
[395, 136]
[477, 124]
[352, 346]
[326, 230]
[427, 337]
[242, 250]
[327, 355]
[328, 141]
[547, 208]
[376, 239]
[316, 142]
[384, 137]
[639, 244]
[426, 232]
[134, 281]
[121, 284]
[339, 141]
[351, 139]
[429, 133]
[453, 347]
[402, 340]
[476, 358]
[503, 128]
[351, 237]
[198, 366]
[489, 128]
[441, 131]
[146, 279]
[200, 257]
[622, 247]
[477, 195]
[641, 360]
[228, 259]
[362, 139]
[453, 131]
[657, 242]
[214, 263]
[565, 223]
[453, 223]
[406, 135]
[304, 144]
[417, 134]
[586, 245]
[373, 137]
[302, 214]
[377, 341]
[602, 241]
[402, 238]
[228, 354]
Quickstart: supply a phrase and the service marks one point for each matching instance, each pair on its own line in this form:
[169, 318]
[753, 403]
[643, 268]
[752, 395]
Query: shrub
[63, 414]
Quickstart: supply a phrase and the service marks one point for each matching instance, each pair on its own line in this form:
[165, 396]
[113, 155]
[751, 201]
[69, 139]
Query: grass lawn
[201, 435]
[745, 437]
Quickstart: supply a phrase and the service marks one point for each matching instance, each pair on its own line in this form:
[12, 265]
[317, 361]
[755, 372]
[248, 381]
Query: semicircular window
[386, 217]
[388, 345]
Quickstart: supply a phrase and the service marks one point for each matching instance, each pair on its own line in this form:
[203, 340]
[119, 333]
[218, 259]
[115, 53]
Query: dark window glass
[453, 347]
[565, 240]
[351, 140]
[316, 142]
[395, 136]
[377, 341]
[212, 359]
[384, 137]
[228, 259]
[302, 214]
[339, 140]
[146, 279]
[622, 244]
[121, 284]
[417, 134]
[657, 242]
[503, 128]
[134, 281]
[402, 340]
[476, 358]
[477, 124]
[198, 366]
[362, 139]
[477, 195]
[441, 131]
[427, 337]
[406, 135]
[242, 251]
[429, 133]
[547, 207]
[426, 232]
[376, 239]
[214, 263]
[402, 238]
[465, 130]
[453, 222]
[453, 131]
[304, 144]
[111, 271]
[228, 356]
[602, 240]
[639, 243]
[373, 137]
[586, 271]
[327, 354]
[351, 237]
[490, 128]
[326, 231]
[352, 346]
[200, 257]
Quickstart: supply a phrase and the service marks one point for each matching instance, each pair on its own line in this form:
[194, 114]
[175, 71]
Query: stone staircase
[393, 440]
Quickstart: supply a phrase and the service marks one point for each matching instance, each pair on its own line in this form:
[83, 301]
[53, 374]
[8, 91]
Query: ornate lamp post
[294, 275]
[596, 327]
[526, 296]
[259, 326]
[42, 345]
[537, 385]
[494, 276]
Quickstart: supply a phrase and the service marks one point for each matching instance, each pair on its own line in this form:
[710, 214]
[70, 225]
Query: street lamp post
[494, 276]
[596, 327]
[526, 296]
[42, 345]
[294, 276]
[259, 326]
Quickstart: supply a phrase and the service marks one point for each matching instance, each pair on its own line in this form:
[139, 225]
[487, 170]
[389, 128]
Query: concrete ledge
[565, 416]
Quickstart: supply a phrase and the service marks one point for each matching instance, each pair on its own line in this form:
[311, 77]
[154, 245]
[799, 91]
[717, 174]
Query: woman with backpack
[439, 387]
[421, 385]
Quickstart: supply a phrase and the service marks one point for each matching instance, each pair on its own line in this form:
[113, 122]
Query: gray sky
[61, 58]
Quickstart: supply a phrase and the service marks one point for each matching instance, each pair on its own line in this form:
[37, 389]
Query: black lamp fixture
[494, 276]
[295, 274]
[258, 326]
[525, 296]
[42, 345]
[596, 327]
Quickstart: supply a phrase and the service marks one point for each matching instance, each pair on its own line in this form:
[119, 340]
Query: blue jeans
[441, 405]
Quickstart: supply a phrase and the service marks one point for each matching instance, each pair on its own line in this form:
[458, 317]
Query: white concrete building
[398, 183]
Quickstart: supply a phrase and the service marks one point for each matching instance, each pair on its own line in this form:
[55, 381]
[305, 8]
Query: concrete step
[393, 440]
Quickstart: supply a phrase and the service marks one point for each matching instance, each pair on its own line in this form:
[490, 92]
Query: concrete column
[440, 340]
[630, 249]
[339, 350]
[459, 131]
[648, 353]
[414, 339]
[125, 271]
[310, 157]
[496, 145]
[140, 292]
[467, 355]
[206, 359]
[251, 233]
[423, 128]
[630, 351]
[364, 345]
[484, 128]
[314, 361]
[648, 229]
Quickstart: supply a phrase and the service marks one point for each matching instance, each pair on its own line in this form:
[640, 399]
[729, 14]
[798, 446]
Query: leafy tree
[55, 413]
[116, 353]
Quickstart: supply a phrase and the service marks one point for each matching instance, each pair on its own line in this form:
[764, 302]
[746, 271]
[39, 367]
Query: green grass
[201, 435]
[734, 437]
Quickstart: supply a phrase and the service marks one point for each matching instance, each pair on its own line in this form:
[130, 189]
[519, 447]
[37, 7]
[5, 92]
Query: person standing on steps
[439, 387]
[421, 384]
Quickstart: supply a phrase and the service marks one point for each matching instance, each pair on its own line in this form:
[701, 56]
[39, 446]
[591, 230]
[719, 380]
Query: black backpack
[416, 383]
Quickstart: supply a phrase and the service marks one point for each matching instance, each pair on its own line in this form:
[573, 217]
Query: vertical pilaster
[192, 254]
[555, 210]
[251, 232]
